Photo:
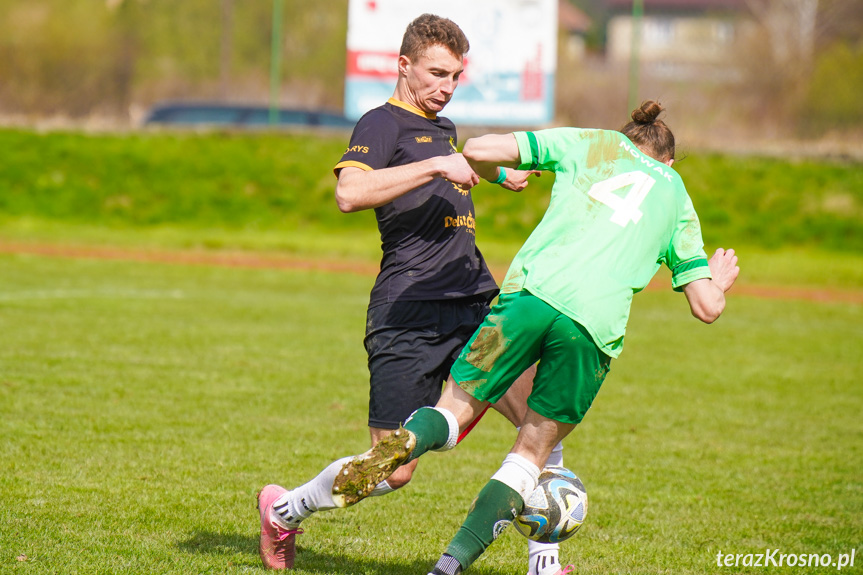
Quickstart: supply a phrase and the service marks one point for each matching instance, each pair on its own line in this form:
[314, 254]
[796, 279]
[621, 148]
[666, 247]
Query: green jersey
[615, 216]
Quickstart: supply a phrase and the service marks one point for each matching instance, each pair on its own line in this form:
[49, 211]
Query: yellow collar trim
[411, 109]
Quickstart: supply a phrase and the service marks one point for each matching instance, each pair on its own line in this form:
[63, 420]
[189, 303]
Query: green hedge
[272, 181]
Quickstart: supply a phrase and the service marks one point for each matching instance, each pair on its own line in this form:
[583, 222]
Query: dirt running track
[250, 260]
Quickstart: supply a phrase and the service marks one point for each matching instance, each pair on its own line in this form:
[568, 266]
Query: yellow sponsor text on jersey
[360, 149]
[423, 139]
[467, 222]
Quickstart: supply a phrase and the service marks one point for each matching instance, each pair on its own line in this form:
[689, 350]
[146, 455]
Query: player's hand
[516, 180]
[724, 268]
[455, 168]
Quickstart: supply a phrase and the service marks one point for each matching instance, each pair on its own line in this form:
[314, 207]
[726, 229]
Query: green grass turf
[142, 406]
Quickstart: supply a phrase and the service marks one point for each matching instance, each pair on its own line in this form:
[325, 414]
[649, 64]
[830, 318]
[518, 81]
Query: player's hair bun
[649, 133]
[647, 112]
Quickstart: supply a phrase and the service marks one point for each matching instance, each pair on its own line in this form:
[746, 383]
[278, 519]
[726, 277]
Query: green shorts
[520, 330]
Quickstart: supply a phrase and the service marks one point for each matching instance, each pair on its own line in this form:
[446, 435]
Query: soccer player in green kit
[618, 211]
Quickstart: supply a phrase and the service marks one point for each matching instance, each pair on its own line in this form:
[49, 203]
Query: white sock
[316, 495]
[381, 488]
[518, 473]
[543, 558]
[556, 456]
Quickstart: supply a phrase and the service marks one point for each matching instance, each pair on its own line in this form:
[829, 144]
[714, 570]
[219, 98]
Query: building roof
[571, 18]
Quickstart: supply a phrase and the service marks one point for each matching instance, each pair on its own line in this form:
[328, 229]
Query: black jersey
[428, 235]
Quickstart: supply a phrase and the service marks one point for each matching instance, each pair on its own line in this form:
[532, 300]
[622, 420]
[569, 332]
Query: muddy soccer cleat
[359, 476]
[277, 543]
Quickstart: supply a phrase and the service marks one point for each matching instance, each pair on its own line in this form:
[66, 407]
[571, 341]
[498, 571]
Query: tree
[790, 25]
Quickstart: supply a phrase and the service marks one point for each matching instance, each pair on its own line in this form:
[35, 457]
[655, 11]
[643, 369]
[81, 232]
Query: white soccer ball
[555, 510]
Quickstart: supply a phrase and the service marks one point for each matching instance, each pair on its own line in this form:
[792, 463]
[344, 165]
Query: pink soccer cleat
[277, 543]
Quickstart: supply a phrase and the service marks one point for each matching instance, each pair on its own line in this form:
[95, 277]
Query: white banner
[509, 71]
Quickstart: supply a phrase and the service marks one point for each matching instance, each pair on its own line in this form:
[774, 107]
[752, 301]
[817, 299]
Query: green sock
[495, 507]
[430, 428]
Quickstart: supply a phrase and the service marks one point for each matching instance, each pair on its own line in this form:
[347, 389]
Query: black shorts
[411, 348]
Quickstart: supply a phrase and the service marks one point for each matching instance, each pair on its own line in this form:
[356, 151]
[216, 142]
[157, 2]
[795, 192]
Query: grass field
[142, 406]
[143, 403]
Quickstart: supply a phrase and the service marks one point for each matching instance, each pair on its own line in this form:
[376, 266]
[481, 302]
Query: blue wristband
[501, 176]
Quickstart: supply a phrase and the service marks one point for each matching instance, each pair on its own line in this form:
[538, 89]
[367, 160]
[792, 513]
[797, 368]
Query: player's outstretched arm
[486, 153]
[359, 189]
[706, 297]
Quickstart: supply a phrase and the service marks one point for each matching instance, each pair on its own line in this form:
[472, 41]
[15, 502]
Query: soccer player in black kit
[434, 287]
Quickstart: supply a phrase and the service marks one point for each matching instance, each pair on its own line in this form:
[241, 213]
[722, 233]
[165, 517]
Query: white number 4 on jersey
[626, 207]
